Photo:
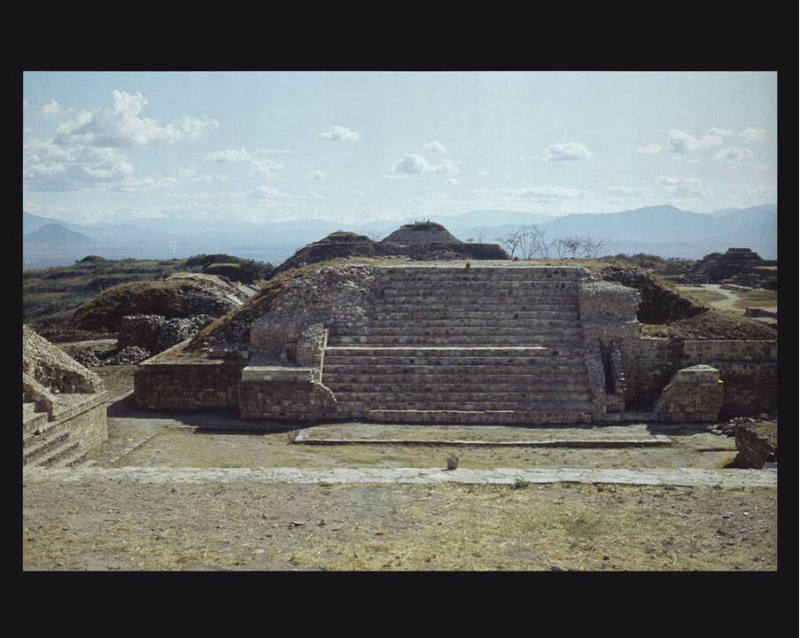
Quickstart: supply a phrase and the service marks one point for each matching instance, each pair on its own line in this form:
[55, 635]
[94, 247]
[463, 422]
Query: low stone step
[453, 351]
[45, 430]
[456, 340]
[491, 323]
[476, 417]
[477, 273]
[431, 373]
[422, 328]
[34, 422]
[497, 306]
[356, 409]
[470, 314]
[72, 460]
[442, 383]
[65, 449]
[41, 446]
[489, 395]
[490, 293]
[462, 377]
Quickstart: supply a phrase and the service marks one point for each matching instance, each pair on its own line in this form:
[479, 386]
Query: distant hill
[56, 234]
[666, 231]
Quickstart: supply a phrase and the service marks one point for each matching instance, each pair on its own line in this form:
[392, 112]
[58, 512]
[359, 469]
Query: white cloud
[452, 181]
[751, 134]
[339, 134]
[270, 193]
[24, 104]
[51, 108]
[435, 147]
[682, 142]
[415, 164]
[626, 191]
[566, 152]
[733, 154]
[684, 187]
[317, 176]
[720, 132]
[49, 167]
[123, 126]
[650, 149]
[533, 193]
[257, 159]
[131, 184]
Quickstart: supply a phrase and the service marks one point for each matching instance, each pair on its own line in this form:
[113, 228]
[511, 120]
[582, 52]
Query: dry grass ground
[104, 525]
[114, 524]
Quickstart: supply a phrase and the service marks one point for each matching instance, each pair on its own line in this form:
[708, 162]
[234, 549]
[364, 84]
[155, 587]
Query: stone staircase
[457, 345]
[47, 443]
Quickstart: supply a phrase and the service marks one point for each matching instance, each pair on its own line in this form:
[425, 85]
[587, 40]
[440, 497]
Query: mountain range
[666, 231]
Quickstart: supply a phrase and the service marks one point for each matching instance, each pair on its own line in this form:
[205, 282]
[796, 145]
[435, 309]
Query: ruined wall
[88, 423]
[695, 394]
[284, 393]
[53, 369]
[608, 318]
[749, 370]
[328, 297]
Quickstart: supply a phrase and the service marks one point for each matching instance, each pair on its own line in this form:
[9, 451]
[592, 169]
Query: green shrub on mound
[171, 298]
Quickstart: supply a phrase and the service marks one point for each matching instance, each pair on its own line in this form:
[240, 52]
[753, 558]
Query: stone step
[485, 397]
[433, 374]
[470, 314]
[568, 379]
[490, 292]
[41, 446]
[67, 449]
[542, 273]
[33, 422]
[492, 323]
[420, 328]
[72, 460]
[457, 340]
[499, 305]
[486, 417]
[45, 429]
[453, 351]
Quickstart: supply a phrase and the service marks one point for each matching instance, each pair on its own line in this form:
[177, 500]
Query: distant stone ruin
[63, 405]
[739, 266]
[455, 343]
[421, 240]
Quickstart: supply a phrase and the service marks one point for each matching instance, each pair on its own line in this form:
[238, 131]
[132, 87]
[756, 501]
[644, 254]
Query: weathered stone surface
[757, 443]
[694, 394]
[446, 344]
[156, 333]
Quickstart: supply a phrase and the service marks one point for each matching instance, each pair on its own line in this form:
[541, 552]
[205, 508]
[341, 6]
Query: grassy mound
[170, 298]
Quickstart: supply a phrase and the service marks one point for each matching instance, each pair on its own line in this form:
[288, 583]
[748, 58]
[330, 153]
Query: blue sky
[356, 146]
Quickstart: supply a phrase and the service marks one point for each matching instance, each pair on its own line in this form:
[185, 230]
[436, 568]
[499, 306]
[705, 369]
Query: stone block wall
[187, 386]
[694, 394]
[608, 319]
[748, 368]
[289, 398]
[88, 424]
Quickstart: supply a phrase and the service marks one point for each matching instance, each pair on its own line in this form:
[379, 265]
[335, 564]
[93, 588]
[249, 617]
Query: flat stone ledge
[309, 437]
[277, 373]
[689, 477]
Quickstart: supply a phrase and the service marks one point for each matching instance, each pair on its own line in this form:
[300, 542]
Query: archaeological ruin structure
[454, 342]
[63, 405]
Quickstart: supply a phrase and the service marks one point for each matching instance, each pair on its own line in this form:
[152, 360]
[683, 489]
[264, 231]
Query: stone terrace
[477, 345]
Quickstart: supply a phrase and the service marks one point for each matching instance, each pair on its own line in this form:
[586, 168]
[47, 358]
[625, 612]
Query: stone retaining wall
[166, 385]
[748, 368]
[87, 423]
